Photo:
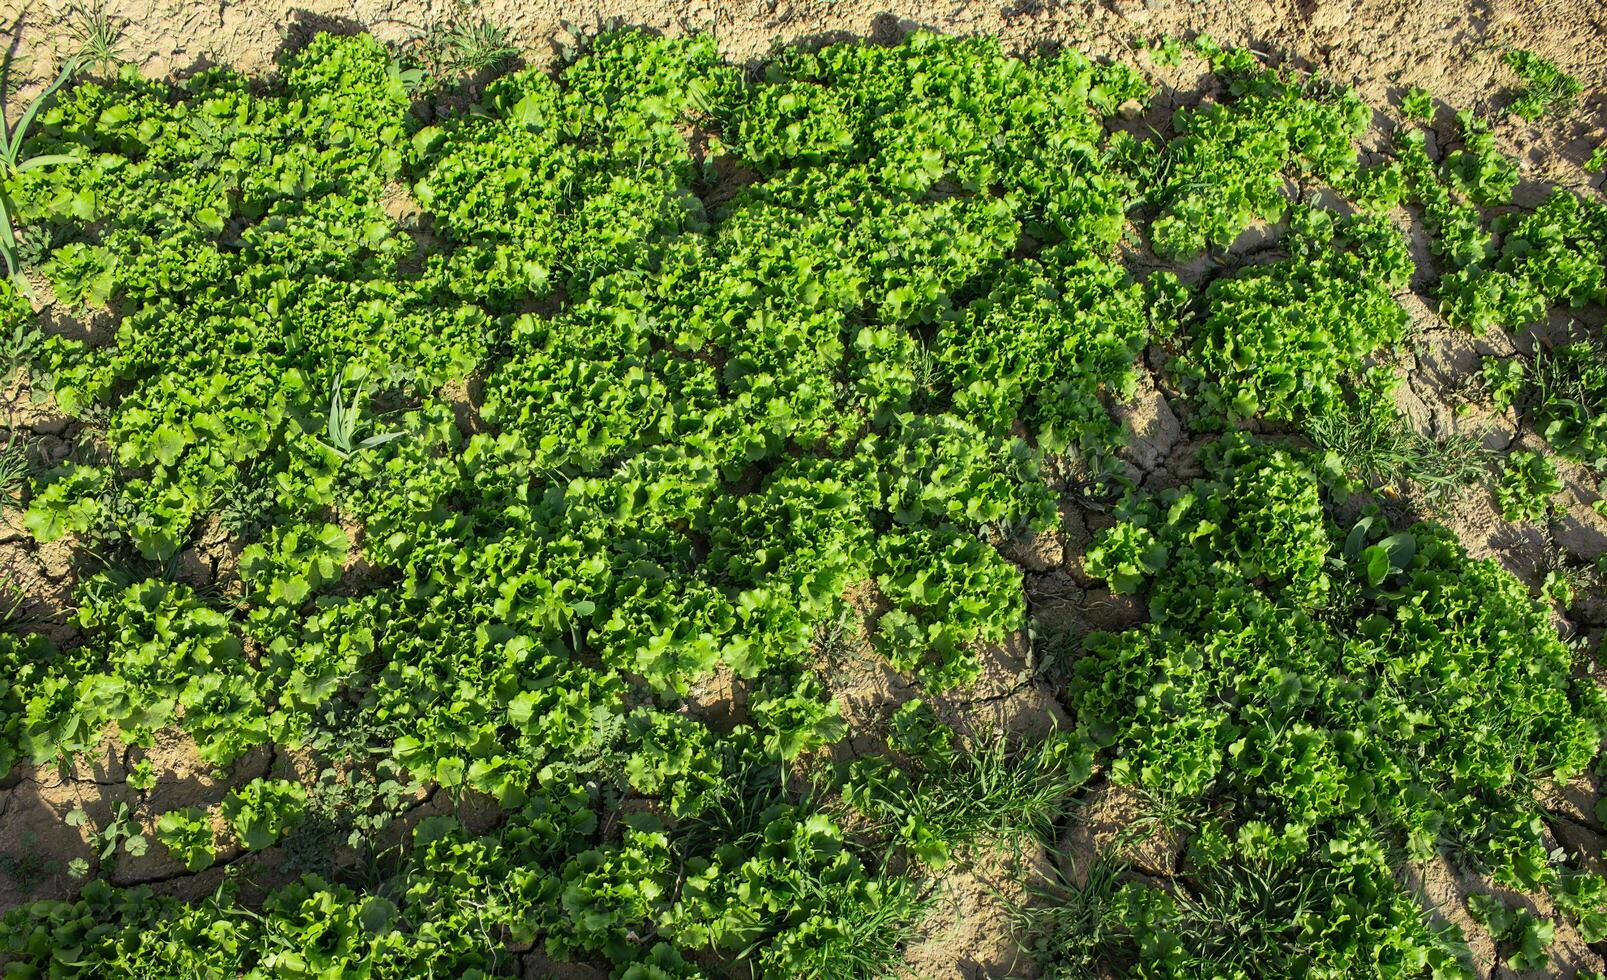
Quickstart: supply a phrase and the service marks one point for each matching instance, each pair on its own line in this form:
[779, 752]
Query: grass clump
[1547, 89]
[1373, 447]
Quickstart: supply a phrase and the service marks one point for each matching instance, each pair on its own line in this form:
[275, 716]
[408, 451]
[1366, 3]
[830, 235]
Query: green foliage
[1519, 929]
[1166, 51]
[1279, 338]
[357, 793]
[14, 163]
[1476, 169]
[1546, 90]
[1205, 927]
[120, 834]
[263, 810]
[67, 500]
[462, 885]
[957, 109]
[1551, 256]
[1230, 693]
[683, 370]
[919, 734]
[796, 717]
[1070, 929]
[345, 417]
[20, 339]
[675, 758]
[1457, 235]
[939, 468]
[1566, 401]
[1528, 482]
[1227, 167]
[1582, 896]
[948, 591]
[1125, 555]
[16, 466]
[793, 895]
[464, 43]
[154, 655]
[1417, 106]
[1043, 347]
[1503, 379]
[187, 835]
[292, 563]
[1511, 272]
[22, 658]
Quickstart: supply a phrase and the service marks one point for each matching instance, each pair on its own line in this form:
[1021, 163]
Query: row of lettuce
[691, 431]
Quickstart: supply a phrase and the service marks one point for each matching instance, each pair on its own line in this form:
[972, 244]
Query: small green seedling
[1417, 105]
[187, 835]
[1528, 481]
